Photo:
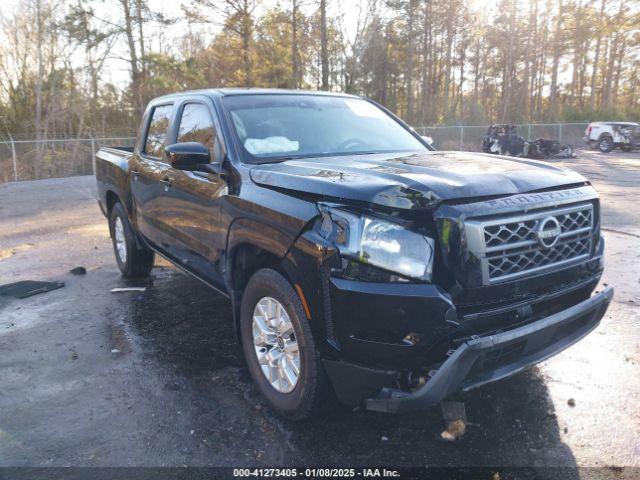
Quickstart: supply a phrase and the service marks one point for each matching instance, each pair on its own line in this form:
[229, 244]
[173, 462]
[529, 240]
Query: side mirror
[187, 155]
[427, 139]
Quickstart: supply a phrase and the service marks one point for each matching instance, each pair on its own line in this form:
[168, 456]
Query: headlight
[380, 243]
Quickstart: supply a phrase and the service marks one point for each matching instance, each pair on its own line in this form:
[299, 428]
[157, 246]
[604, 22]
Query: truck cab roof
[225, 92]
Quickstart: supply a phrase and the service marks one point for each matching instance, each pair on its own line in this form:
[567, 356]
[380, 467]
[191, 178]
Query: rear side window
[196, 125]
[157, 132]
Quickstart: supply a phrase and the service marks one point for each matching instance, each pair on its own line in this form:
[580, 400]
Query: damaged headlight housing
[379, 243]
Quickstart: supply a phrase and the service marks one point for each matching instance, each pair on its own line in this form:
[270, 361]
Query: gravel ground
[91, 378]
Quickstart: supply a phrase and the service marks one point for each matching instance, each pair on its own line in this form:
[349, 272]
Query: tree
[234, 16]
[324, 46]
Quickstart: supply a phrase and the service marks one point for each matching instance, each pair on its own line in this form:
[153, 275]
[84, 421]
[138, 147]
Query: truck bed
[112, 175]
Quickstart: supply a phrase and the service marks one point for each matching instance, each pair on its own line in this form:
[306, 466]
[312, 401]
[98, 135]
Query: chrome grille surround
[508, 247]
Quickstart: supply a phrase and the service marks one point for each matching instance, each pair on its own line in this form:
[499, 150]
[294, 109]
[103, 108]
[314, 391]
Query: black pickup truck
[359, 262]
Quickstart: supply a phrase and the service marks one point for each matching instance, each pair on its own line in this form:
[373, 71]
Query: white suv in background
[606, 136]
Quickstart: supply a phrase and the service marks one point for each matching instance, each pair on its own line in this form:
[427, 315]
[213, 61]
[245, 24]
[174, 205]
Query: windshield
[277, 127]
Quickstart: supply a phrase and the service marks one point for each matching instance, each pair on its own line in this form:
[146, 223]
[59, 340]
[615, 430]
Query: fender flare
[254, 232]
[259, 234]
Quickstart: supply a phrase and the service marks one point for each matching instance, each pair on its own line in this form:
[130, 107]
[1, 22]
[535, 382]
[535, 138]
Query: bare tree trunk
[542, 71]
[460, 100]
[246, 34]
[533, 23]
[426, 60]
[608, 80]
[410, 50]
[133, 57]
[324, 45]
[596, 57]
[143, 56]
[295, 54]
[553, 94]
[615, 44]
[616, 82]
[447, 77]
[576, 52]
[38, 119]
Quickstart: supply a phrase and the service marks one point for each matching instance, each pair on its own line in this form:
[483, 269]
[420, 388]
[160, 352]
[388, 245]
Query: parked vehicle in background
[359, 261]
[503, 139]
[607, 136]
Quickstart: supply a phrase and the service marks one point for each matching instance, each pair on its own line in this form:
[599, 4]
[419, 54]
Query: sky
[117, 71]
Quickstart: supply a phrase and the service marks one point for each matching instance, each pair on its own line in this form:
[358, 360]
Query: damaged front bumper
[486, 359]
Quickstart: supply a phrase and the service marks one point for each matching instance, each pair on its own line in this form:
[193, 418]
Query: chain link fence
[52, 158]
[33, 160]
[469, 138]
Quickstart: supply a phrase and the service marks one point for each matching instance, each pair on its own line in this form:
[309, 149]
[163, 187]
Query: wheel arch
[111, 197]
[251, 246]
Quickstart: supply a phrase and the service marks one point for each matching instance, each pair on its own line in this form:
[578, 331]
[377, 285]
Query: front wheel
[606, 144]
[280, 349]
[133, 261]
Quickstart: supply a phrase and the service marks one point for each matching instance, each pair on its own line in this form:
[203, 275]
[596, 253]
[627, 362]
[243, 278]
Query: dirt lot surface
[92, 378]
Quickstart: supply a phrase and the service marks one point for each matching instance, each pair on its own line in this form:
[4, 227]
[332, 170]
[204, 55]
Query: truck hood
[412, 180]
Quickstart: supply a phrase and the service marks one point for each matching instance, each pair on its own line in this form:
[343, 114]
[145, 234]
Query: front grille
[512, 247]
[509, 233]
[533, 257]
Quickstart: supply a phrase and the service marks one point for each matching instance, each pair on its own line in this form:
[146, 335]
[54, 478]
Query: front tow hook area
[487, 359]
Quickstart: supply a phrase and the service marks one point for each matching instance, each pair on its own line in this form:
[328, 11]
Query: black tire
[312, 393]
[137, 262]
[626, 148]
[605, 144]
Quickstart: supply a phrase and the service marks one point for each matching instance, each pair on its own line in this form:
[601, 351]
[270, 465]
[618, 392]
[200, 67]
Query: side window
[157, 132]
[196, 125]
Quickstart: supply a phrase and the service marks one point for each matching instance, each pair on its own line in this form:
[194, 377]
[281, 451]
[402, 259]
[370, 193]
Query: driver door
[193, 197]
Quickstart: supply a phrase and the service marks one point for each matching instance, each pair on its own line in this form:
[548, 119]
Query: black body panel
[377, 334]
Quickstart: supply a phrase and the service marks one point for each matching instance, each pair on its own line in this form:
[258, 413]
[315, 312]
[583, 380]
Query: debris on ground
[78, 270]
[115, 350]
[455, 414]
[454, 430]
[27, 288]
[128, 289]
[74, 355]
[571, 402]
[504, 139]
[384, 439]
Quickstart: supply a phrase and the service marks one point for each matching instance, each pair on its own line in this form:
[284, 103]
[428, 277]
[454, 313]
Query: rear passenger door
[195, 196]
[149, 176]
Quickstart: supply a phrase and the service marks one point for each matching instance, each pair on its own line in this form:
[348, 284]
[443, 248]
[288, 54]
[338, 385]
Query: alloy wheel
[275, 344]
[121, 242]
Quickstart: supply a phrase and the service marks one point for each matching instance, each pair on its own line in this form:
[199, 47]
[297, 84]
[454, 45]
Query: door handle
[135, 174]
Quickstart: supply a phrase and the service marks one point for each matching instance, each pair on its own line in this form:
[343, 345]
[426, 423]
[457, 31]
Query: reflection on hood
[414, 180]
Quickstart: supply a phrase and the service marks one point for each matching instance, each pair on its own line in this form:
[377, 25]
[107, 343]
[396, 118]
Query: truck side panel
[112, 176]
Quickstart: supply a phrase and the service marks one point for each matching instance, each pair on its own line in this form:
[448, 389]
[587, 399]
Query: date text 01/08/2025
[316, 472]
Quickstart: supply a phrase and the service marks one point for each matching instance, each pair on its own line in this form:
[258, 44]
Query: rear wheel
[280, 351]
[626, 148]
[133, 261]
[606, 144]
